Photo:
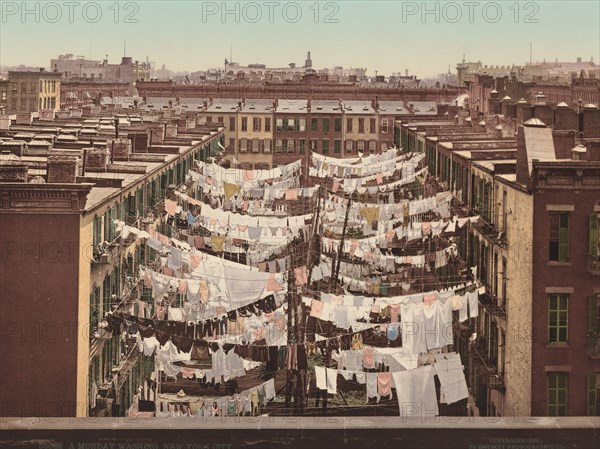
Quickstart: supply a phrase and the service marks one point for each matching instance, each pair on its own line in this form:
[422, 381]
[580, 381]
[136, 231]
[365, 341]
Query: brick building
[61, 251]
[24, 92]
[533, 350]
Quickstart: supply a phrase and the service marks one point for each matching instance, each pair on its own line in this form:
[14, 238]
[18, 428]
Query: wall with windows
[254, 138]
[565, 288]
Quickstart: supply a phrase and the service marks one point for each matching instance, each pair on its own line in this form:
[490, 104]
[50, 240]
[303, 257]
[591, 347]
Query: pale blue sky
[372, 34]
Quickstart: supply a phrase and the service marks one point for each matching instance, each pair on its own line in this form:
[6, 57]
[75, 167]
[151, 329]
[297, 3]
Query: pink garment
[195, 260]
[272, 284]
[262, 266]
[316, 308]
[188, 373]
[171, 206]
[379, 178]
[168, 271]
[394, 309]
[390, 235]
[291, 194]
[384, 384]
[199, 242]
[210, 180]
[248, 175]
[369, 357]
[148, 279]
[301, 274]
[182, 286]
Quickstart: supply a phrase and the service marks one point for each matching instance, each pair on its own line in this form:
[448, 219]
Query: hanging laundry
[170, 207]
[230, 189]
[300, 275]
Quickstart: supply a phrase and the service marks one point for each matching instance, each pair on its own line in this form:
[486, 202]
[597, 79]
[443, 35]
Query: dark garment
[162, 337]
[232, 316]
[146, 332]
[242, 350]
[345, 342]
[273, 363]
[228, 347]
[281, 356]
[200, 351]
[301, 357]
[259, 351]
[182, 344]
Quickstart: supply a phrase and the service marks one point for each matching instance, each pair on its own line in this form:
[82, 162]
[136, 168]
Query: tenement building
[66, 187]
[534, 348]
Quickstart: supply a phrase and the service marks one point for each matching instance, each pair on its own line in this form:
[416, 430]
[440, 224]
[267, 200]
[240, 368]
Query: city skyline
[138, 29]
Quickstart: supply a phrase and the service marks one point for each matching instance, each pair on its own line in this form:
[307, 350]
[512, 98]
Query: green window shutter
[563, 237]
[591, 395]
[593, 315]
[593, 250]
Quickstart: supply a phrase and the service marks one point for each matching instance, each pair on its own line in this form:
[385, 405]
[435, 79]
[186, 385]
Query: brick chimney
[139, 142]
[62, 169]
[13, 171]
[96, 158]
[120, 148]
[565, 117]
[591, 122]
[564, 141]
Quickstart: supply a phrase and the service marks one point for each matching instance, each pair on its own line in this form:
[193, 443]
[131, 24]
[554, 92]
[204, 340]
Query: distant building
[30, 91]
[87, 69]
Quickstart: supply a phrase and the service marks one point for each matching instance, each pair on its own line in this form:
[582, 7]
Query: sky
[385, 36]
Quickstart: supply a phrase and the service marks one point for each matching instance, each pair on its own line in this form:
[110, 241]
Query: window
[361, 125]
[209, 119]
[559, 237]
[256, 124]
[302, 124]
[592, 395]
[278, 145]
[348, 146]
[372, 144]
[267, 148]
[337, 146]
[267, 124]
[279, 124]
[290, 126]
[255, 147]
[594, 238]
[325, 125]
[220, 119]
[325, 146]
[244, 123]
[314, 124]
[231, 142]
[250, 144]
[337, 125]
[383, 146]
[290, 146]
[231, 123]
[384, 125]
[372, 127]
[361, 145]
[558, 318]
[557, 394]
[349, 125]
[504, 278]
[313, 144]
[243, 145]
[97, 231]
[301, 146]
